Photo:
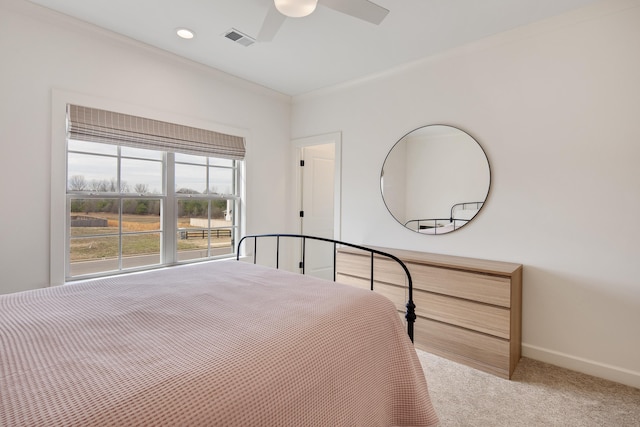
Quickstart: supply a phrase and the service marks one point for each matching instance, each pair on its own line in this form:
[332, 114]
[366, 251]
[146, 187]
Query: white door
[317, 202]
[317, 190]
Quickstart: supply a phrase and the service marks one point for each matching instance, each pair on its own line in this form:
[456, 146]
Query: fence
[88, 221]
[203, 234]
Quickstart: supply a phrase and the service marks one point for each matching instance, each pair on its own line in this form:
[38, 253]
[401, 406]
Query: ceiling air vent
[239, 37]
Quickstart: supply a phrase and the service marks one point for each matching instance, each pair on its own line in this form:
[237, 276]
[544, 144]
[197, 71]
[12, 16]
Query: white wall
[555, 106]
[43, 52]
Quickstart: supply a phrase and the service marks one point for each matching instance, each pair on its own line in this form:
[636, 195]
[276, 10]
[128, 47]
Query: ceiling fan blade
[271, 24]
[361, 9]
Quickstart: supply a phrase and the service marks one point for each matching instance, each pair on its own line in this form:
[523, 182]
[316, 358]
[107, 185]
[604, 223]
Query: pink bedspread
[218, 344]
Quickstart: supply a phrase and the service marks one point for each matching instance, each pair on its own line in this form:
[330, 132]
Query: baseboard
[590, 367]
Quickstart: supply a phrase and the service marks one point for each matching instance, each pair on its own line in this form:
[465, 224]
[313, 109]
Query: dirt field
[102, 242]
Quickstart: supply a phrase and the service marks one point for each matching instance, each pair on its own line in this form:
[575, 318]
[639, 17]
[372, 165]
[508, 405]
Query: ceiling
[320, 50]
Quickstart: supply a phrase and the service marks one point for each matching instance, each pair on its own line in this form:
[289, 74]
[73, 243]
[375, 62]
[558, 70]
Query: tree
[193, 208]
[77, 183]
[98, 186]
[187, 191]
[141, 188]
[142, 208]
[218, 209]
[77, 206]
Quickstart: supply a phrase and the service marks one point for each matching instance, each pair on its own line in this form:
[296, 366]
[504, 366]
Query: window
[138, 205]
[206, 195]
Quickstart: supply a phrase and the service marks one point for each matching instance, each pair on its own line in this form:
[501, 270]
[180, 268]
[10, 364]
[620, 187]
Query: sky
[99, 162]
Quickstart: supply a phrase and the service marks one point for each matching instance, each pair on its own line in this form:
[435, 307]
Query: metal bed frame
[434, 221]
[464, 206]
[411, 308]
[450, 219]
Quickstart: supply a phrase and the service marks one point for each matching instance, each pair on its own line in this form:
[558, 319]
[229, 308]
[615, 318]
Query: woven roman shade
[94, 125]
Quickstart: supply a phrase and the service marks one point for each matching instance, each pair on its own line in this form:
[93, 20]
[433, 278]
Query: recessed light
[185, 33]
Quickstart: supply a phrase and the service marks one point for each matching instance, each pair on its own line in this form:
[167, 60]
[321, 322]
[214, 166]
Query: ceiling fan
[281, 9]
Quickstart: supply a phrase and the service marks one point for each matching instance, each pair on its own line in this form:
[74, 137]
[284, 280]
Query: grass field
[102, 242]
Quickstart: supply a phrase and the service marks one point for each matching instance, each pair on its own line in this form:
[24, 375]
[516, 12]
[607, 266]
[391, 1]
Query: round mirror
[435, 179]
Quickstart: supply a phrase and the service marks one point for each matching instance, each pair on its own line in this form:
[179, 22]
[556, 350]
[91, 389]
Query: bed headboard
[411, 308]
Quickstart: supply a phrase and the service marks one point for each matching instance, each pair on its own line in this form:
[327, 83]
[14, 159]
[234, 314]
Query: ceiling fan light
[296, 8]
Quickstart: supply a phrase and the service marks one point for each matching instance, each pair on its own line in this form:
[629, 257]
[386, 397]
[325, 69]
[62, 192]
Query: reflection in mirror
[435, 179]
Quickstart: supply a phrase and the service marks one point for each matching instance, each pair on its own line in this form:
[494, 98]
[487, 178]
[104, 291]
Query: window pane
[215, 161]
[192, 243]
[140, 153]
[92, 147]
[193, 225]
[188, 158]
[221, 242]
[221, 180]
[193, 213]
[90, 217]
[220, 213]
[141, 176]
[222, 222]
[139, 250]
[191, 179]
[86, 172]
[140, 215]
[90, 255]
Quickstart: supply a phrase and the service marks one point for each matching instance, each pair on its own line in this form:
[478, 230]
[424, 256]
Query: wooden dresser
[468, 310]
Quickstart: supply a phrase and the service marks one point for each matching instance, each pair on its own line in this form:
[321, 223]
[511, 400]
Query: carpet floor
[538, 394]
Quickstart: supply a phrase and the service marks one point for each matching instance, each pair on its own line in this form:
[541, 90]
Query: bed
[221, 343]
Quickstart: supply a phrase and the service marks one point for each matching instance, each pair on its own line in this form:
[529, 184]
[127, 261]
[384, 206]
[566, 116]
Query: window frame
[58, 201]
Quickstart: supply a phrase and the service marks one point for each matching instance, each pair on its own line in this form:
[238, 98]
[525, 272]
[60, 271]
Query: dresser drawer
[384, 269]
[396, 294]
[481, 351]
[462, 284]
[467, 314]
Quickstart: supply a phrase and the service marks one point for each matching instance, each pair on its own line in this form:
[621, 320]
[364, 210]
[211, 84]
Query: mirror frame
[455, 228]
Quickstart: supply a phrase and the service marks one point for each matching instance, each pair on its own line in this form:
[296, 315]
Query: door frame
[297, 145]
